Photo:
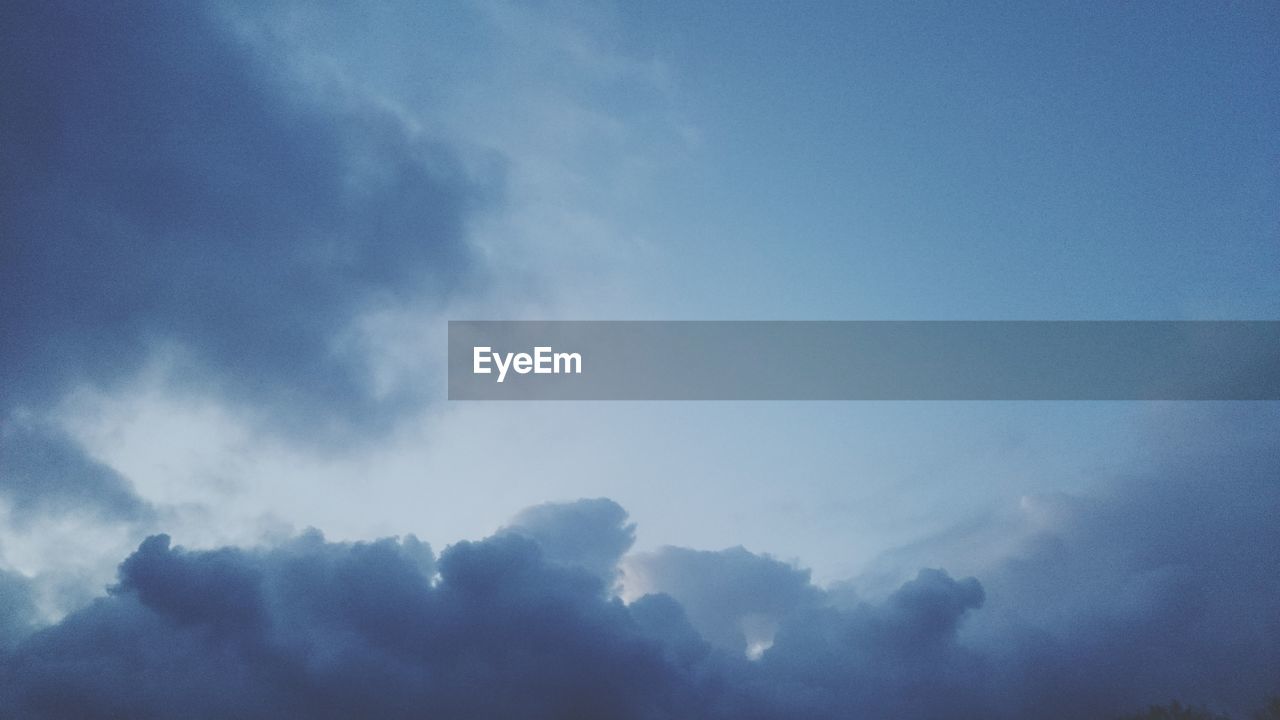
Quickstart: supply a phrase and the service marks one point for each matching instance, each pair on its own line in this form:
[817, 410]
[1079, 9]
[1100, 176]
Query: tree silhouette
[1270, 712]
[1177, 711]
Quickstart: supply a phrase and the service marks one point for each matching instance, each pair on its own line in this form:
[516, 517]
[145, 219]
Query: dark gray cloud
[168, 186]
[18, 614]
[1170, 588]
[1165, 585]
[897, 659]
[320, 630]
[165, 184]
[42, 471]
[819, 655]
[501, 628]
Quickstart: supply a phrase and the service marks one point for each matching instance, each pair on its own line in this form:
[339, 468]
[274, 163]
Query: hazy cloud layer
[1169, 589]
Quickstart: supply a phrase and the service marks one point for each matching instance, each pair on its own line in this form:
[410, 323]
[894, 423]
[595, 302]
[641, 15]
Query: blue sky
[1101, 162]
[231, 236]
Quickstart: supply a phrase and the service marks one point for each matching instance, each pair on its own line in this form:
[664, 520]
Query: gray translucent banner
[864, 360]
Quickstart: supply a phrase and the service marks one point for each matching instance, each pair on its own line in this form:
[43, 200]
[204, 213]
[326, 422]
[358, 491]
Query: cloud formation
[19, 612]
[511, 627]
[324, 630]
[318, 629]
[171, 190]
[168, 186]
[734, 597]
[592, 534]
[1167, 589]
[42, 471]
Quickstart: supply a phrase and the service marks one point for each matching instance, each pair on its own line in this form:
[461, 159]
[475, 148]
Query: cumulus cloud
[490, 629]
[317, 629]
[592, 534]
[509, 627]
[900, 658]
[734, 597]
[168, 186]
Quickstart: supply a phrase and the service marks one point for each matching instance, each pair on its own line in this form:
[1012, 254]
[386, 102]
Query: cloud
[19, 614]
[317, 629]
[42, 471]
[1164, 585]
[591, 534]
[495, 628]
[734, 597]
[168, 186]
[899, 659]
[1166, 589]
[503, 627]
[174, 193]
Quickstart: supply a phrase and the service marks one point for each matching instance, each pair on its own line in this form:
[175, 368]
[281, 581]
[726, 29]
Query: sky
[231, 236]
